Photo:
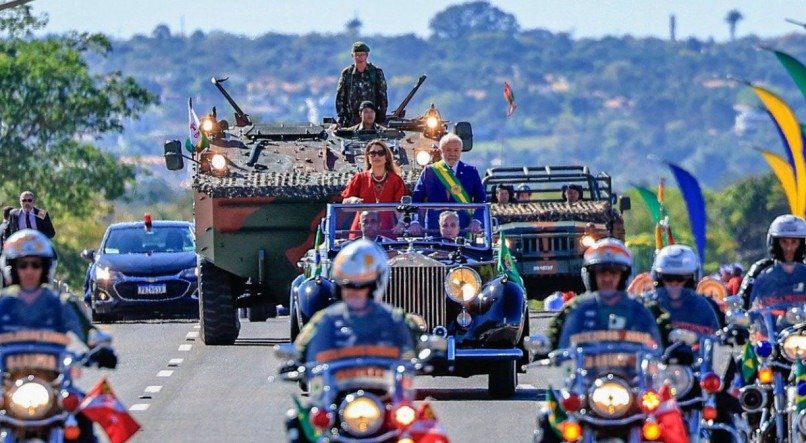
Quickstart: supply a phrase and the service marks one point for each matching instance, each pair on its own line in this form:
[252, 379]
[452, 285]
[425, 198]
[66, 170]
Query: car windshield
[159, 239]
[447, 224]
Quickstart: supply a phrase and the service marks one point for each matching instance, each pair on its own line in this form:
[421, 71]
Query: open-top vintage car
[452, 285]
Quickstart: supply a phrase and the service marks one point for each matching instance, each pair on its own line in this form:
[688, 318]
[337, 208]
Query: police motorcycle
[688, 370]
[777, 340]
[361, 394]
[609, 392]
[40, 401]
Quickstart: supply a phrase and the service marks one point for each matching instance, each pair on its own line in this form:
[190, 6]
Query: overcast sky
[583, 18]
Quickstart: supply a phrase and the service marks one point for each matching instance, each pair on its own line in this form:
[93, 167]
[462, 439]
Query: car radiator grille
[419, 290]
[549, 245]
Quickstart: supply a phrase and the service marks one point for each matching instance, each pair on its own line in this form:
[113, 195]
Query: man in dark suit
[29, 217]
[450, 180]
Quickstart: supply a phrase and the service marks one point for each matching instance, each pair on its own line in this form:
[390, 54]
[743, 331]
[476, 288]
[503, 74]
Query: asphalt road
[183, 391]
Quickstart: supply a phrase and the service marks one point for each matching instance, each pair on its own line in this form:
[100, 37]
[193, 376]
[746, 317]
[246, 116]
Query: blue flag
[695, 203]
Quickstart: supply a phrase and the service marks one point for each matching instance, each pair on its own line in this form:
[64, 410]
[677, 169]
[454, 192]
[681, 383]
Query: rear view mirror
[465, 131]
[88, 255]
[173, 155]
[624, 204]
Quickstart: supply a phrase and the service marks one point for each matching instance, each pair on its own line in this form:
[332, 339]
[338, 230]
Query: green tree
[732, 19]
[460, 21]
[51, 108]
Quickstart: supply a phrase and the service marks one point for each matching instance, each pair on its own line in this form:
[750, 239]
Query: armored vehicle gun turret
[260, 191]
[548, 235]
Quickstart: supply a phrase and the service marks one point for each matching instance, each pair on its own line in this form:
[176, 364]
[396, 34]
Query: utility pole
[672, 27]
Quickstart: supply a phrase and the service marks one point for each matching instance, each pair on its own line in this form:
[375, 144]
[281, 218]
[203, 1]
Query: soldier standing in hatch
[360, 82]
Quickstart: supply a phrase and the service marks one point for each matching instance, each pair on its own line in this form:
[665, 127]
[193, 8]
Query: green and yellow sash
[451, 183]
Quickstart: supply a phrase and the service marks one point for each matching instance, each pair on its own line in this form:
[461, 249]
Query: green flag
[317, 270]
[795, 69]
[556, 413]
[749, 363]
[651, 201]
[304, 422]
[800, 386]
[506, 263]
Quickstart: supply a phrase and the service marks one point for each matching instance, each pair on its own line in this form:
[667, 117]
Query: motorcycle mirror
[795, 315]
[286, 351]
[734, 302]
[97, 338]
[537, 344]
[738, 318]
[683, 336]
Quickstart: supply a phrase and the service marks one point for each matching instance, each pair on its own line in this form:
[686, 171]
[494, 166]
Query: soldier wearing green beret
[359, 82]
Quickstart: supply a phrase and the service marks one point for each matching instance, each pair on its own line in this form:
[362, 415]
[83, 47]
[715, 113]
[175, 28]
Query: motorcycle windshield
[372, 374]
[768, 322]
[618, 358]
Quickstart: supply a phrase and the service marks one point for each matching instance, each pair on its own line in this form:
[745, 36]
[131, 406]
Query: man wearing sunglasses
[368, 112]
[28, 216]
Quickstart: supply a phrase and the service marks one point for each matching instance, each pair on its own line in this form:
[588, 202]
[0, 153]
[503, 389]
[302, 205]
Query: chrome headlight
[794, 347]
[586, 241]
[218, 162]
[104, 274]
[462, 284]
[361, 414]
[680, 379]
[30, 398]
[610, 397]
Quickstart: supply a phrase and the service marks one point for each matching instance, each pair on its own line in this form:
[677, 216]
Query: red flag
[510, 96]
[103, 407]
[670, 418]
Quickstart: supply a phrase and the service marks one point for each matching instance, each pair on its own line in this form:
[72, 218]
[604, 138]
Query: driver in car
[449, 225]
[359, 324]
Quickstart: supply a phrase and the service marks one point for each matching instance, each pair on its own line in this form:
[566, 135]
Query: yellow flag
[785, 175]
[788, 124]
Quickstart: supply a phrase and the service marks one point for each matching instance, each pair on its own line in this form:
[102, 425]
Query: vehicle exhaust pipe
[752, 398]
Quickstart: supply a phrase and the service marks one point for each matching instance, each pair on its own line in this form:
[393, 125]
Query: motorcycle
[694, 384]
[361, 395]
[40, 401]
[777, 334]
[608, 394]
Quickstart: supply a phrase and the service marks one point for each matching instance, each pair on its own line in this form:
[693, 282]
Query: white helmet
[608, 253]
[27, 243]
[362, 263]
[786, 226]
[677, 260]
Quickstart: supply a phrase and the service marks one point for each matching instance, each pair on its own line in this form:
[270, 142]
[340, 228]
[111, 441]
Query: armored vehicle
[260, 191]
[546, 234]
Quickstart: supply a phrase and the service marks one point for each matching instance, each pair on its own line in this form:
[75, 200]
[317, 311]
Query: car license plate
[151, 289]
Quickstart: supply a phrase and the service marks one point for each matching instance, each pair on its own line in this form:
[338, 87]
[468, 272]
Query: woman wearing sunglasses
[379, 182]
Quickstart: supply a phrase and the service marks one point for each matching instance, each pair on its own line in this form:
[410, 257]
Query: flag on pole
[506, 263]
[695, 203]
[103, 407]
[800, 386]
[795, 69]
[317, 270]
[510, 96]
[651, 202]
[556, 413]
[197, 139]
[783, 170]
[749, 363]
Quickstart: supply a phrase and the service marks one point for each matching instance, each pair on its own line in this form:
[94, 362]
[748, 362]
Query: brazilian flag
[506, 263]
[304, 422]
[800, 383]
[556, 413]
[749, 363]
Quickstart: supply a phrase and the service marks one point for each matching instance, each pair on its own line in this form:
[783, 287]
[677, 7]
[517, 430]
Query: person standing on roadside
[28, 216]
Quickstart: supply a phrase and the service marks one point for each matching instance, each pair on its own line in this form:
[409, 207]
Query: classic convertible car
[452, 284]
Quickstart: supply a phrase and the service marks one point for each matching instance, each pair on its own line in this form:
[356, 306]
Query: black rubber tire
[258, 313]
[503, 379]
[523, 361]
[218, 316]
[293, 323]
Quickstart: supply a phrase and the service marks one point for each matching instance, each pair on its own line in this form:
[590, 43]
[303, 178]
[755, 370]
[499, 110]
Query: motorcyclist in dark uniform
[360, 318]
[606, 269]
[676, 271]
[783, 283]
[29, 303]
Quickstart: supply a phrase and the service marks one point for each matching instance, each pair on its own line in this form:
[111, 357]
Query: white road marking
[153, 389]
[139, 407]
[192, 334]
[196, 326]
[176, 361]
[185, 348]
[165, 373]
[526, 386]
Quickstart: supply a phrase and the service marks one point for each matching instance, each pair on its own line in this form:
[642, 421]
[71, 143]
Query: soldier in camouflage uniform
[359, 82]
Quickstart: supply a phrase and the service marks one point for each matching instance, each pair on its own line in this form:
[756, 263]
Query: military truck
[260, 191]
[547, 235]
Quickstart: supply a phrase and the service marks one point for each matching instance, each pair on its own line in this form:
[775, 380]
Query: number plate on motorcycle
[151, 289]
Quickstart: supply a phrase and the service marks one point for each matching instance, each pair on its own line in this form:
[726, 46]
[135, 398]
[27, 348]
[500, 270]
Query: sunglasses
[29, 264]
[27, 200]
[376, 153]
[674, 278]
[356, 285]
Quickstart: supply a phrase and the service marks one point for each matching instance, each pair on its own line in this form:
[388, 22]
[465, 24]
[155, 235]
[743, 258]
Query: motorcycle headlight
[30, 399]
[679, 377]
[610, 397]
[361, 415]
[462, 285]
[794, 347]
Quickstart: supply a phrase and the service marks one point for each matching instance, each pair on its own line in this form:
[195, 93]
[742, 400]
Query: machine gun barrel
[401, 110]
[241, 119]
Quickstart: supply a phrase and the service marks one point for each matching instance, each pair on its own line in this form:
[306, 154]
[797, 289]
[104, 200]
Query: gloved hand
[734, 336]
[104, 357]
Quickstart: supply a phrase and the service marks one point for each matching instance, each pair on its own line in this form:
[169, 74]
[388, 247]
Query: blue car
[145, 268]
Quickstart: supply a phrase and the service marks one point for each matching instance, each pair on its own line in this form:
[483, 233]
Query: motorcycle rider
[360, 318]
[29, 303]
[785, 281]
